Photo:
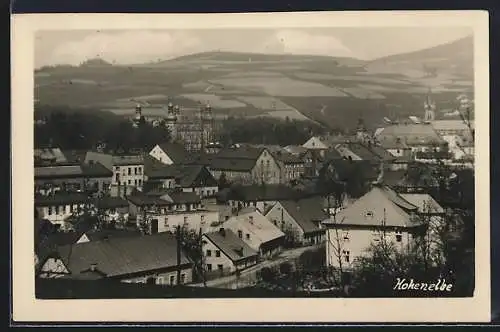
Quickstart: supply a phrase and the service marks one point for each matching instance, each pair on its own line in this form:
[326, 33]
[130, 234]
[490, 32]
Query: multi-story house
[128, 171]
[89, 177]
[258, 232]
[164, 211]
[259, 197]
[380, 215]
[57, 208]
[246, 165]
[191, 178]
[224, 253]
[300, 219]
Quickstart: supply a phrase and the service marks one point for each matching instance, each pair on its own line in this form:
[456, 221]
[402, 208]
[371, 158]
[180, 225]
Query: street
[285, 256]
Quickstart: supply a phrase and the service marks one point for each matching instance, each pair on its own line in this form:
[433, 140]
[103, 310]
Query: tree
[223, 183]
[191, 242]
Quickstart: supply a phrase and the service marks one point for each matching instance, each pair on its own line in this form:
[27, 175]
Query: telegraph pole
[179, 248]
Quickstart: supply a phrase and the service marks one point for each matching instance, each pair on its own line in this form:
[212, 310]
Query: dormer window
[369, 214]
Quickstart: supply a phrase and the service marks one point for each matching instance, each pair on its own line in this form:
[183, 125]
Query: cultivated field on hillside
[333, 91]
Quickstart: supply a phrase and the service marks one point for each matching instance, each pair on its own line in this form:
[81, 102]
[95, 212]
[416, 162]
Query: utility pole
[179, 248]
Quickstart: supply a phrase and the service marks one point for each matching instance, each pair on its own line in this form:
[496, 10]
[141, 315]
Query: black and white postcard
[272, 167]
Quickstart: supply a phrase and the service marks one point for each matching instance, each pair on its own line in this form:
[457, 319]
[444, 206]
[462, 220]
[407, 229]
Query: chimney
[93, 267]
[250, 218]
[222, 232]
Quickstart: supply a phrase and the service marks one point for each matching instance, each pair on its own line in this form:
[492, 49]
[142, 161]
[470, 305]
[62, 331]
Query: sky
[140, 46]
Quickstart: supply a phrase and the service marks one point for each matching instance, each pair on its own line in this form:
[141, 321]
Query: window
[209, 267]
[346, 255]
[183, 278]
[160, 280]
[217, 253]
[248, 236]
[240, 234]
[61, 209]
[140, 182]
[369, 214]
[185, 220]
[165, 222]
[135, 170]
[209, 253]
[71, 208]
[202, 218]
[49, 212]
[129, 182]
[220, 267]
[172, 280]
[129, 171]
[399, 236]
[135, 182]
[346, 236]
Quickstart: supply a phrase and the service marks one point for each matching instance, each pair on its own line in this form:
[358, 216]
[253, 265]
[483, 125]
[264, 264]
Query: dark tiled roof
[268, 192]
[141, 200]
[123, 255]
[61, 199]
[347, 169]
[231, 245]
[234, 165]
[154, 169]
[191, 176]
[394, 178]
[175, 151]
[112, 202]
[242, 152]
[180, 197]
[371, 153]
[103, 158]
[96, 169]
[125, 160]
[94, 235]
[305, 212]
[51, 172]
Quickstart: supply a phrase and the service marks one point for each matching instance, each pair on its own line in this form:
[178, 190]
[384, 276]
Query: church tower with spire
[430, 108]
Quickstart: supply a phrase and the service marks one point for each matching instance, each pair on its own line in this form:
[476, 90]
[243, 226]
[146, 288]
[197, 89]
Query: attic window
[369, 214]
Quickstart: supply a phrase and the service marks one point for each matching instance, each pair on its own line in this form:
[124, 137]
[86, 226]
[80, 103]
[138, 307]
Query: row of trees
[268, 131]
[87, 128]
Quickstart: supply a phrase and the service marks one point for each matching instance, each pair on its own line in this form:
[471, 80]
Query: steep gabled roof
[175, 152]
[381, 206]
[425, 203]
[66, 171]
[109, 202]
[122, 256]
[261, 230]
[95, 169]
[61, 199]
[306, 212]
[242, 152]
[232, 165]
[268, 192]
[231, 245]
